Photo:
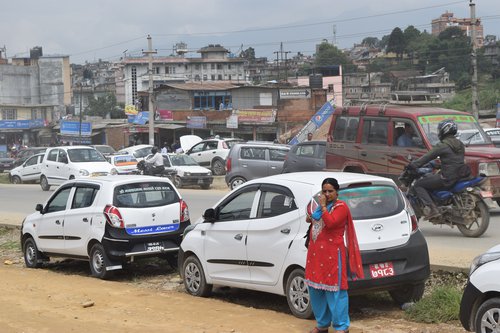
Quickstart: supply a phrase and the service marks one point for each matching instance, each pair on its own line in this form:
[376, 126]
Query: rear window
[148, 194]
[369, 202]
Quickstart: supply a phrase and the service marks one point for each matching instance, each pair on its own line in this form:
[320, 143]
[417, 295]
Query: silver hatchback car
[251, 160]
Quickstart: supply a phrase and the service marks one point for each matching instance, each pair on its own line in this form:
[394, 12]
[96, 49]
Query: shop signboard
[21, 124]
[73, 128]
[196, 122]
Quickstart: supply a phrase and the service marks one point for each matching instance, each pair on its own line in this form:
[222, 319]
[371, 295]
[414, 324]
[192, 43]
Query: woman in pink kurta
[326, 265]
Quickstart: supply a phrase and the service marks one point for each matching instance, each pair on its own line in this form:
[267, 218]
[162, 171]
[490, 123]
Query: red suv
[364, 139]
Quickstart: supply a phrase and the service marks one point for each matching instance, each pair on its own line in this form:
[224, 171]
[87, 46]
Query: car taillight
[411, 212]
[184, 211]
[113, 216]
[228, 164]
[414, 223]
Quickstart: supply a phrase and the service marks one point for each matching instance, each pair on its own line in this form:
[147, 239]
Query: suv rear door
[374, 145]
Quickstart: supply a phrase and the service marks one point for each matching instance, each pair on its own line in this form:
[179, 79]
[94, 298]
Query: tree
[396, 43]
[103, 106]
[329, 55]
[248, 54]
[411, 34]
[371, 42]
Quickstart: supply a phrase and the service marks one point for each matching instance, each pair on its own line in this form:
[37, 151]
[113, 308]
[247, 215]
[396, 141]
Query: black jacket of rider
[451, 153]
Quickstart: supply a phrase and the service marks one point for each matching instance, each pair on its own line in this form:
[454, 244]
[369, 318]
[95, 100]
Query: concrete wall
[17, 85]
[173, 99]
[250, 97]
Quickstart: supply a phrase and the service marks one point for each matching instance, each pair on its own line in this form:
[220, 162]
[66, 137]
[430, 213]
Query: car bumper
[410, 262]
[469, 299]
[121, 247]
[197, 180]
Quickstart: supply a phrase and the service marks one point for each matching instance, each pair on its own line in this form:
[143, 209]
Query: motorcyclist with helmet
[450, 151]
[156, 162]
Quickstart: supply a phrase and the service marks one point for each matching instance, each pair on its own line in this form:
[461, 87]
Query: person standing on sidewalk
[327, 257]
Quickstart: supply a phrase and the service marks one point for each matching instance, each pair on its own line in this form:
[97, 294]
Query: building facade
[447, 20]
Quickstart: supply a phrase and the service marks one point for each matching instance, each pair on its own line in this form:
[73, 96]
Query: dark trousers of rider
[157, 170]
[429, 183]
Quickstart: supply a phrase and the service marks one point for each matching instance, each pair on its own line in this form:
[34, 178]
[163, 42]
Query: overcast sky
[89, 30]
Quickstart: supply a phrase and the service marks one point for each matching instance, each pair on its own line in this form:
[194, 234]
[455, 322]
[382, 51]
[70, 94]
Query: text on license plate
[153, 247]
[381, 270]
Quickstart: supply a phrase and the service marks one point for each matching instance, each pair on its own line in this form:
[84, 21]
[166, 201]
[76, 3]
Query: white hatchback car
[188, 172]
[138, 151]
[253, 238]
[72, 162]
[29, 171]
[480, 305]
[108, 221]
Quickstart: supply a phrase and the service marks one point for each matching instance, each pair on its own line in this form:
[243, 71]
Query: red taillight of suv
[228, 164]
[113, 216]
[184, 211]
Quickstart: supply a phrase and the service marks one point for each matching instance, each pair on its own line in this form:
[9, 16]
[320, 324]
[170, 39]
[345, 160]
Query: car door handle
[273, 167]
[58, 222]
[85, 219]
[285, 231]
[238, 237]
[363, 153]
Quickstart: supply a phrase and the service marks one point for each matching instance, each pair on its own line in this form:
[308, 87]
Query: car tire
[32, 257]
[482, 222]
[236, 181]
[16, 180]
[194, 278]
[408, 293]
[487, 315]
[98, 262]
[178, 182]
[297, 295]
[218, 167]
[44, 184]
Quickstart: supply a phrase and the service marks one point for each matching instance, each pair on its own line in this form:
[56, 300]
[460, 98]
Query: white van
[72, 162]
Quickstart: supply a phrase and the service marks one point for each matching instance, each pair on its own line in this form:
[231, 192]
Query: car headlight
[84, 172]
[489, 169]
[187, 174]
[483, 259]
[113, 172]
[209, 173]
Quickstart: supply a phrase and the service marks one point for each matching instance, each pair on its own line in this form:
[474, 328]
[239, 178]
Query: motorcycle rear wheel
[479, 226]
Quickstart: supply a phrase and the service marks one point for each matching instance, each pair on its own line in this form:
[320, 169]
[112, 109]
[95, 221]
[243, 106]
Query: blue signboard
[21, 124]
[73, 128]
[196, 122]
[316, 121]
[142, 118]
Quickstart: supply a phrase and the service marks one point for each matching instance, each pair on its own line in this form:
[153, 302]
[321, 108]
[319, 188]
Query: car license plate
[154, 247]
[382, 270]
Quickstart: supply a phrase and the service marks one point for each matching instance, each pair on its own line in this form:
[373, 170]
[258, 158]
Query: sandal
[320, 330]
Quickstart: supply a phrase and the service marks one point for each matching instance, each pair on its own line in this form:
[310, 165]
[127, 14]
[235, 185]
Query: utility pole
[80, 114]
[286, 65]
[151, 119]
[278, 64]
[475, 101]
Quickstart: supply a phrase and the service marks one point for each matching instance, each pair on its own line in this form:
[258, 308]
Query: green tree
[371, 42]
[329, 55]
[248, 54]
[411, 35]
[396, 43]
[103, 106]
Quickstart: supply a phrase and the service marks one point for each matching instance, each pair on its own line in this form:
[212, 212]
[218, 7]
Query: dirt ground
[148, 297]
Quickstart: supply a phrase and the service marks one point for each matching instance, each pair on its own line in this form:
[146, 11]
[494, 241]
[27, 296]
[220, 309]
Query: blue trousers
[330, 307]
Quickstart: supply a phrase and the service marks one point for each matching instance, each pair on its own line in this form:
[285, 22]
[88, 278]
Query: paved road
[447, 246]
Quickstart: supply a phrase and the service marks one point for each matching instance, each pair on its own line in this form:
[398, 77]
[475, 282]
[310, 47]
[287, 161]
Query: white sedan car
[124, 164]
[29, 171]
[253, 238]
[108, 221]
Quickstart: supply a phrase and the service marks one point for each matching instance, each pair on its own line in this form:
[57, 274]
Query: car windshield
[105, 149]
[231, 143]
[369, 202]
[85, 155]
[467, 125]
[144, 194]
[180, 160]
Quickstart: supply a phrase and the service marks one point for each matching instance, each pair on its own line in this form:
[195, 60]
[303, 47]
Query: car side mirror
[209, 215]
[39, 208]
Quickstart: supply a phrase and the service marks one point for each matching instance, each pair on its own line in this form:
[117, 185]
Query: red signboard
[164, 115]
[256, 116]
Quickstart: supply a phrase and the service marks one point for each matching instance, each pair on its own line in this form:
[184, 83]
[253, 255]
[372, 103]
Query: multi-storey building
[447, 20]
[215, 64]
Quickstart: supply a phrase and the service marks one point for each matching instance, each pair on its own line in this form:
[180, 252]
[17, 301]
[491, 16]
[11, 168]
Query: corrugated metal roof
[201, 85]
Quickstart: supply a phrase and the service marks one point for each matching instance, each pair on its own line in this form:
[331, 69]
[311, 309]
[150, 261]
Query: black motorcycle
[144, 168]
[462, 205]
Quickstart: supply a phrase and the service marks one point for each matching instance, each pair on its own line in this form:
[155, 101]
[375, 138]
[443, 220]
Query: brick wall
[116, 137]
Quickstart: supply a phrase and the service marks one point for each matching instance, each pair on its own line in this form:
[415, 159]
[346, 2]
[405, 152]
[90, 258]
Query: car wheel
[16, 180]
[44, 184]
[218, 167]
[32, 257]
[236, 181]
[488, 316]
[479, 225]
[297, 295]
[408, 293]
[194, 278]
[98, 262]
[178, 182]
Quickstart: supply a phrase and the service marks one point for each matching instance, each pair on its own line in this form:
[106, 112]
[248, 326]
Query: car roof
[316, 178]
[390, 110]
[134, 148]
[118, 180]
